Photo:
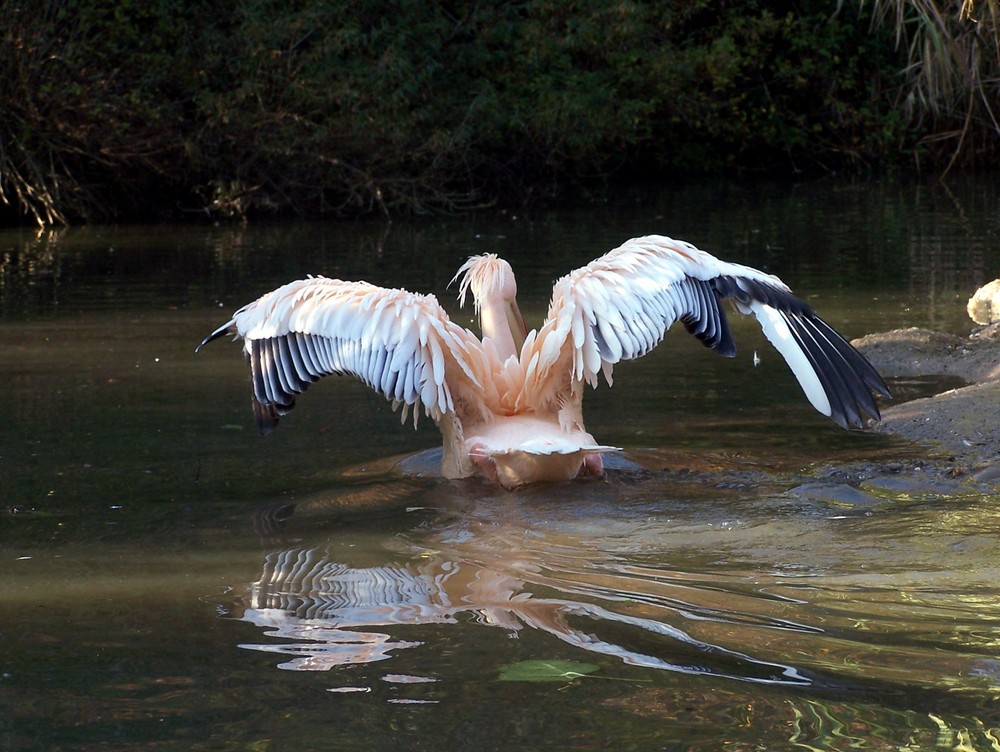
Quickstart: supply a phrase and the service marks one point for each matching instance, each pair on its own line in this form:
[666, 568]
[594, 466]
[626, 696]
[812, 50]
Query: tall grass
[951, 79]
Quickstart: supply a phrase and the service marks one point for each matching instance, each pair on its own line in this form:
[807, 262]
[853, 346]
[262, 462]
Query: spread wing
[619, 307]
[403, 345]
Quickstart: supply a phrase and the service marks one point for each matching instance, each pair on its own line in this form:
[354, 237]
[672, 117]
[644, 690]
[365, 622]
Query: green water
[171, 580]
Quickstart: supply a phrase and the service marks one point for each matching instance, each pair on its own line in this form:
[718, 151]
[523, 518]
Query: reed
[951, 79]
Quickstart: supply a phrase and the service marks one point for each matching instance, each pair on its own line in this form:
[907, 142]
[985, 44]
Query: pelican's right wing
[619, 307]
[402, 344]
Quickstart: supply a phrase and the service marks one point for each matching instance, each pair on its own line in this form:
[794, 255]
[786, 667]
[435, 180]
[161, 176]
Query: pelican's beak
[517, 328]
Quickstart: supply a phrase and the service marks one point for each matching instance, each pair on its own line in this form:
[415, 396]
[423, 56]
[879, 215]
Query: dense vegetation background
[152, 108]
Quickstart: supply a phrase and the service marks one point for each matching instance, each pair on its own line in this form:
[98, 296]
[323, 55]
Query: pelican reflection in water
[509, 404]
[517, 570]
[664, 576]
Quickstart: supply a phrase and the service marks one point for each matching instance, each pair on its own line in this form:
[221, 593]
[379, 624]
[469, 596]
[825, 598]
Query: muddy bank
[962, 422]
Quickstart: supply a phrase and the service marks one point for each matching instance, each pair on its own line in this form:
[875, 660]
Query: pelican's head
[494, 293]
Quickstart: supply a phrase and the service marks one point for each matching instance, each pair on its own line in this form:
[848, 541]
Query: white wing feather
[620, 306]
[776, 330]
[401, 344]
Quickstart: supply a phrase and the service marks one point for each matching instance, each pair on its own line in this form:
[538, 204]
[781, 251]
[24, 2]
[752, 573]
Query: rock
[984, 306]
[922, 352]
[965, 422]
[988, 332]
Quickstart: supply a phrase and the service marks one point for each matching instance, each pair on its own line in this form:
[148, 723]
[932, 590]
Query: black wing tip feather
[267, 415]
[847, 378]
[711, 328]
[214, 335]
[745, 289]
[266, 412]
[280, 368]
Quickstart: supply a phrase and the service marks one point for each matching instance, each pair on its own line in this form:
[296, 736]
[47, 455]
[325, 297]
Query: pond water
[171, 580]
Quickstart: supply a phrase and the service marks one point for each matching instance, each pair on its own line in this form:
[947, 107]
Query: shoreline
[963, 421]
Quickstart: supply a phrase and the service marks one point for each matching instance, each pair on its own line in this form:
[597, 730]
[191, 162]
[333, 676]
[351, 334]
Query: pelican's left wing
[619, 307]
[402, 344]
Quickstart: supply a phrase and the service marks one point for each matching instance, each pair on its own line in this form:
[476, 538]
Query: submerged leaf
[540, 671]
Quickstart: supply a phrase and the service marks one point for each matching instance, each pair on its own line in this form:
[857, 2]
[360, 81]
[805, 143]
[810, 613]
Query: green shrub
[315, 107]
[92, 96]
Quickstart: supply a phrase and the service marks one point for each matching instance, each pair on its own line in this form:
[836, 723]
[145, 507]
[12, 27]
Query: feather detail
[620, 306]
[400, 344]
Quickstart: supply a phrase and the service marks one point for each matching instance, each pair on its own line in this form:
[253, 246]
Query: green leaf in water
[542, 671]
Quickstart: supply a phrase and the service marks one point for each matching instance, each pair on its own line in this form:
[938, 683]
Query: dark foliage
[311, 107]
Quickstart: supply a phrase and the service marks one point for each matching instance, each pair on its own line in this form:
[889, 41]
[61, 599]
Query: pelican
[509, 404]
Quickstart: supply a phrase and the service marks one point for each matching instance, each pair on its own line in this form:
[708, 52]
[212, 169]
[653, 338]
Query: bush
[92, 96]
[314, 107]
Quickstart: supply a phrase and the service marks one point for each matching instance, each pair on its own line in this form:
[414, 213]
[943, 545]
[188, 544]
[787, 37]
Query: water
[742, 580]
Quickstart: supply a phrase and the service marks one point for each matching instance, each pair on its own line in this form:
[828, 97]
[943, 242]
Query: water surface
[748, 576]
